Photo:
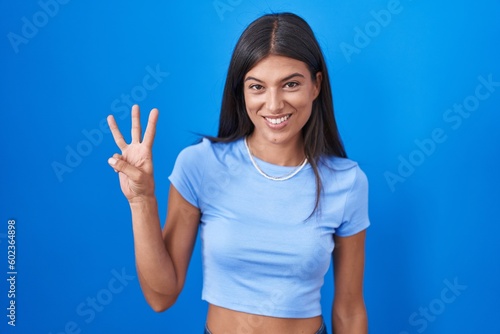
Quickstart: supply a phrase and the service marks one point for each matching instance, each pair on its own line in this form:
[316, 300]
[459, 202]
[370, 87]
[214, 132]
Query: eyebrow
[284, 79]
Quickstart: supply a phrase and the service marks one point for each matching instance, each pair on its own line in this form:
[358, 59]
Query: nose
[274, 101]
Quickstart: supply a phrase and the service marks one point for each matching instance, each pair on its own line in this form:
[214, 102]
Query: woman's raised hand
[135, 163]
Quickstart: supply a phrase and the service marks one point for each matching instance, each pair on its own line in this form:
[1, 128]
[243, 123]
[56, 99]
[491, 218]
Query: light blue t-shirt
[262, 251]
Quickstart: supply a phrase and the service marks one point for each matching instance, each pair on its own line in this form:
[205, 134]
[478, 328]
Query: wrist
[141, 201]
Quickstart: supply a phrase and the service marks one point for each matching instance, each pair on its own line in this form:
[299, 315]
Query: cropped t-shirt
[262, 250]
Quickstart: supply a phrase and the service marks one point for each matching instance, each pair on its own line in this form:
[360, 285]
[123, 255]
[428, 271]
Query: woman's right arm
[162, 258]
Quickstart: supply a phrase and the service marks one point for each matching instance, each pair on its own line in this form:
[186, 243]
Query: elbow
[352, 317]
[160, 300]
[358, 310]
[162, 304]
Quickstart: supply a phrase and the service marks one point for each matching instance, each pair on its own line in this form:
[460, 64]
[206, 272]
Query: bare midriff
[222, 321]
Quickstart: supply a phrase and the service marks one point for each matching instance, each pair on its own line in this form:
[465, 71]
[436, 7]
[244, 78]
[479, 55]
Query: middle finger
[136, 124]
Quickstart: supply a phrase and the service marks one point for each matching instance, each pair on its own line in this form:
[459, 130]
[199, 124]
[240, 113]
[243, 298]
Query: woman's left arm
[348, 310]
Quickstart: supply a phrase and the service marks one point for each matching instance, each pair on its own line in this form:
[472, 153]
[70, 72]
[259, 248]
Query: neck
[289, 153]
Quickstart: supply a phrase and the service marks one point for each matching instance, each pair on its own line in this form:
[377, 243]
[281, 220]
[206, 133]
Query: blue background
[436, 224]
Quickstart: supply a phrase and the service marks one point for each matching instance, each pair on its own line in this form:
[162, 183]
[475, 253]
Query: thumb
[120, 165]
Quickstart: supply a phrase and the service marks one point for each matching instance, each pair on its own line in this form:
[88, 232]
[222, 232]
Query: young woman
[273, 195]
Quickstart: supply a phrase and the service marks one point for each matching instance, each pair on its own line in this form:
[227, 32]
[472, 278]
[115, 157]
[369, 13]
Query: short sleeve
[187, 174]
[355, 217]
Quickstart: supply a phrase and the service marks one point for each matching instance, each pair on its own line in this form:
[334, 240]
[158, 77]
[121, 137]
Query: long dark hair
[283, 34]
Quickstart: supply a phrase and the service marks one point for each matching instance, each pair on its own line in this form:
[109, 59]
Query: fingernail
[112, 161]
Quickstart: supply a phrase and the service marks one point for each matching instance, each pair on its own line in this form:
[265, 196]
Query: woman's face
[279, 94]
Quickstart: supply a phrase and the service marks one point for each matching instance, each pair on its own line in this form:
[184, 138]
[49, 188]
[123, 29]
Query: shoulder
[341, 166]
[197, 149]
[198, 166]
[338, 163]
[207, 150]
[205, 146]
[343, 170]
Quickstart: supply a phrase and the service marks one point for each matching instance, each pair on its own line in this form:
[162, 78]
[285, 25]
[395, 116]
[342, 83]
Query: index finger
[117, 135]
[150, 133]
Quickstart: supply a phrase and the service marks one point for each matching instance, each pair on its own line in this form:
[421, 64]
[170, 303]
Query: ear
[317, 84]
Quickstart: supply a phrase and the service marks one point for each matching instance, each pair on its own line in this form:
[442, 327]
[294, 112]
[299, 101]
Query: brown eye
[256, 87]
[292, 84]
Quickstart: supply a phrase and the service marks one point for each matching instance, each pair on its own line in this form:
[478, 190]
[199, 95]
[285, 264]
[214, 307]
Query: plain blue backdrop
[417, 91]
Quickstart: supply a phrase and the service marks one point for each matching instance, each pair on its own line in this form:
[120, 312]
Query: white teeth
[277, 120]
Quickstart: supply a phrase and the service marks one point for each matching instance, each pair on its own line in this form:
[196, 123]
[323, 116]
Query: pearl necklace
[274, 178]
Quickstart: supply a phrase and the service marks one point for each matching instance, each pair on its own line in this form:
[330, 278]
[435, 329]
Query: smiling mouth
[279, 120]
